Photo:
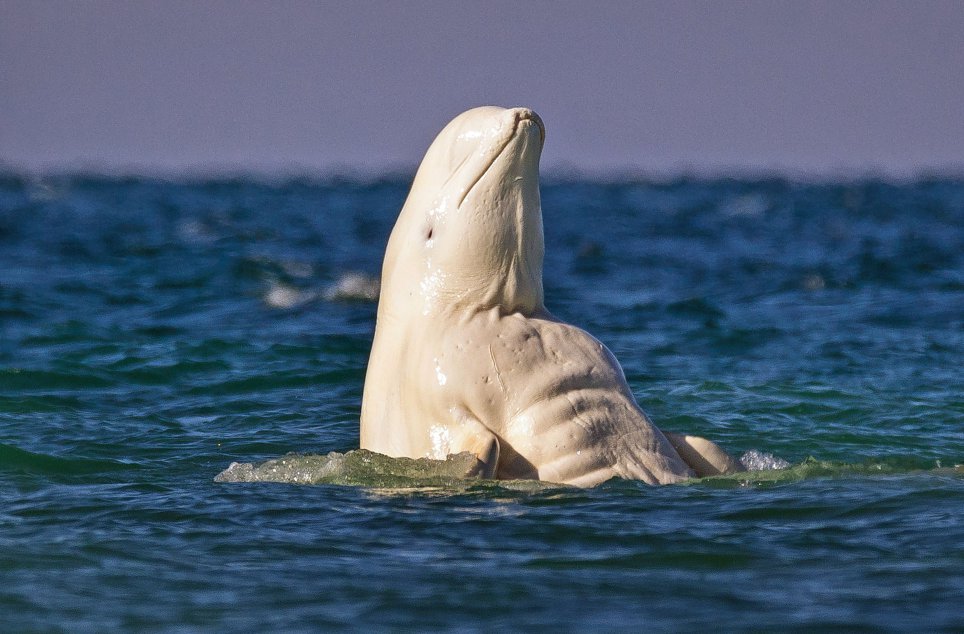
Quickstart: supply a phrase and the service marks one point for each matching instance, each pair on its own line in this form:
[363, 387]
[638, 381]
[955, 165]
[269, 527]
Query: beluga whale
[465, 356]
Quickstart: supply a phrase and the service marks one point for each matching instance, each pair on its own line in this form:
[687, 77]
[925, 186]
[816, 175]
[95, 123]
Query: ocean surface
[153, 332]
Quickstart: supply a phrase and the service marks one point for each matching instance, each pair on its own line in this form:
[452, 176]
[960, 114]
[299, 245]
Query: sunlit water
[153, 333]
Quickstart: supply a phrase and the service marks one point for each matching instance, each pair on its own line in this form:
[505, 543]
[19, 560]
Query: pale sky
[811, 87]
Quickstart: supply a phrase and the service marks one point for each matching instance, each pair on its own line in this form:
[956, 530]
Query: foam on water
[354, 286]
[353, 467]
[755, 460]
[283, 296]
[369, 469]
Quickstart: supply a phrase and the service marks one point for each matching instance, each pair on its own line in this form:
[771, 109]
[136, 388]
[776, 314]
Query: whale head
[470, 233]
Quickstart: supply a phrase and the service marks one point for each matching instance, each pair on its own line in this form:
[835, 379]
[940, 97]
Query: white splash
[353, 286]
[755, 460]
[284, 296]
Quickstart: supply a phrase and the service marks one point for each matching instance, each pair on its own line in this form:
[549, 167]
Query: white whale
[465, 355]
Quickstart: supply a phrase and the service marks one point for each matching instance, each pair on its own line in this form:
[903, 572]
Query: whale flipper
[469, 434]
[703, 456]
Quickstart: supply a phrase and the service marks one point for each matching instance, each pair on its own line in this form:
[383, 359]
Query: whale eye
[431, 232]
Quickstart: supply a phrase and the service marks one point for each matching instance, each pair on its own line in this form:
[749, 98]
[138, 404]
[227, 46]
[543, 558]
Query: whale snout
[525, 116]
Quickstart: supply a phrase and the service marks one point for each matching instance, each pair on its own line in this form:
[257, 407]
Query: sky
[804, 87]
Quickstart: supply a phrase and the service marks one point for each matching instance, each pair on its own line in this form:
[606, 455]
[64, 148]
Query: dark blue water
[152, 332]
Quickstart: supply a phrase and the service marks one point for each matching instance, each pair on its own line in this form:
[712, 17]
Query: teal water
[153, 332]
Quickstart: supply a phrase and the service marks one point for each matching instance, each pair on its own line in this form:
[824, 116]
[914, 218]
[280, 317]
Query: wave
[358, 467]
[368, 469]
[813, 468]
[16, 460]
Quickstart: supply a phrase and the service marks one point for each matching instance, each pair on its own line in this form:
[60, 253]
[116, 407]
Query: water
[153, 332]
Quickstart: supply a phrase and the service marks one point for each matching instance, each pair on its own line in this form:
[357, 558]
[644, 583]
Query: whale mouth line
[517, 120]
[484, 171]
